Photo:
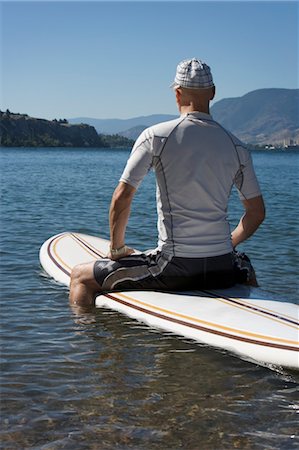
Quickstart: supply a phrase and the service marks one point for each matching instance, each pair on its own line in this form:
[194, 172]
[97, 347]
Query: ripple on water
[101, 380]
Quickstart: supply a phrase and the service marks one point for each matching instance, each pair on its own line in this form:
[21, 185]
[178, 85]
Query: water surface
[100, 380]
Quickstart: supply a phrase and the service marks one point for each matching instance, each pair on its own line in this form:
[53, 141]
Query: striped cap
[193, 74]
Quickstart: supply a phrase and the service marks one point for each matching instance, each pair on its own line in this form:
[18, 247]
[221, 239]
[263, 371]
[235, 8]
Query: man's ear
[178, 94]
[213, 92]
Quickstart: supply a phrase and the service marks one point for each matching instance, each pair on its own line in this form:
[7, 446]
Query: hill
[264, 116]
[21, 130]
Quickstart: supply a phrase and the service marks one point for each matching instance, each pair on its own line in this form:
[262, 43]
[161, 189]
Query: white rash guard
[196, 162]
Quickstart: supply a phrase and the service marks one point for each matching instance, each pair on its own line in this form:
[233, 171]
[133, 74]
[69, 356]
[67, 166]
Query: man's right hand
[119, 253]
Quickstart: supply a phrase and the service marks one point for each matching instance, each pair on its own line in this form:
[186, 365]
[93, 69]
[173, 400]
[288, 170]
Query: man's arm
[250, 221]
[118, 216]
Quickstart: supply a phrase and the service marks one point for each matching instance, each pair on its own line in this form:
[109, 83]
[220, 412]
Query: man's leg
[84, 287]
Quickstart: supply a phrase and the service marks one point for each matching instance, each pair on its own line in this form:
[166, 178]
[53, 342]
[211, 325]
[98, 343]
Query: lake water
[100, 380]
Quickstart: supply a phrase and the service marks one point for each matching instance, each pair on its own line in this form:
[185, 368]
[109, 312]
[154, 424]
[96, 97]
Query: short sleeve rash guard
[196, 162]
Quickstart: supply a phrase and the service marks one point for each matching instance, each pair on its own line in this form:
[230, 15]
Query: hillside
[264, 116]
[20, 130]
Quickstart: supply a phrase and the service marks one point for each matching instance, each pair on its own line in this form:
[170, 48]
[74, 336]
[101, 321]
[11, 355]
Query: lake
[100, 380]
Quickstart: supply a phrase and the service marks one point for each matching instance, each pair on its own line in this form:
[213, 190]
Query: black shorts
[160, 272]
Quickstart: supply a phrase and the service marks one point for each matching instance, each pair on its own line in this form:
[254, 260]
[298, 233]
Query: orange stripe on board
[247, 307]
[55, 252]
[201, 328]
[204, 322]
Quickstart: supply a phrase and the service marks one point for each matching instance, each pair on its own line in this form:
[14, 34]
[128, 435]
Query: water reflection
[156, 387]
[96, 379]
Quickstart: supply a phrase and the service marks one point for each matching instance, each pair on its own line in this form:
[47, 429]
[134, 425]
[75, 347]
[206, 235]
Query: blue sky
[117, 59]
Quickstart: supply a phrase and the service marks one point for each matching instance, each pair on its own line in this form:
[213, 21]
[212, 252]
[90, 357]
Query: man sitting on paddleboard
[196, 162]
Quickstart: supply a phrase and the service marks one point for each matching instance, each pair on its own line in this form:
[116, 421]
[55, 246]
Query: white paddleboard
[242, 320]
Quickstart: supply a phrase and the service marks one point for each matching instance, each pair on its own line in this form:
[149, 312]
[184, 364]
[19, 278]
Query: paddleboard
[243, 320]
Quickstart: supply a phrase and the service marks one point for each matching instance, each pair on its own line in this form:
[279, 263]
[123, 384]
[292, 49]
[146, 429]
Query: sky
[66, 59]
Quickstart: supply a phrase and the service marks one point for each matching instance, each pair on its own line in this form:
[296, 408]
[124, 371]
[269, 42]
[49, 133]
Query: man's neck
[195, 108]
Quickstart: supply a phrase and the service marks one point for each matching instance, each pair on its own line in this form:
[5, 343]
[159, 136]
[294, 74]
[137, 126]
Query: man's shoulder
[163, 129]
[236, 141]
[154, 136]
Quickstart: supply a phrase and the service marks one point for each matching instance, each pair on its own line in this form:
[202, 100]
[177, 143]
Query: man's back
[196, 162]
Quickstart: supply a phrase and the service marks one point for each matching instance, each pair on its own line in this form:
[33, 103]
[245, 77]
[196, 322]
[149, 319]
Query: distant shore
[21, 130]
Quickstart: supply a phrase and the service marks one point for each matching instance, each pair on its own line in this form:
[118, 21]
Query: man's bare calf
[83, 287]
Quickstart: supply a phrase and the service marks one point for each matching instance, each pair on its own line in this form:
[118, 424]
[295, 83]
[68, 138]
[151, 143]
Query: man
[196, 163]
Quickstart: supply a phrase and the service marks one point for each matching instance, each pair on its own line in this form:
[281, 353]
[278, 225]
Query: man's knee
[83, 274]
[77, 274]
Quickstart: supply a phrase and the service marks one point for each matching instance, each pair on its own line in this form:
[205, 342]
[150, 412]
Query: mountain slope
[261, 116]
